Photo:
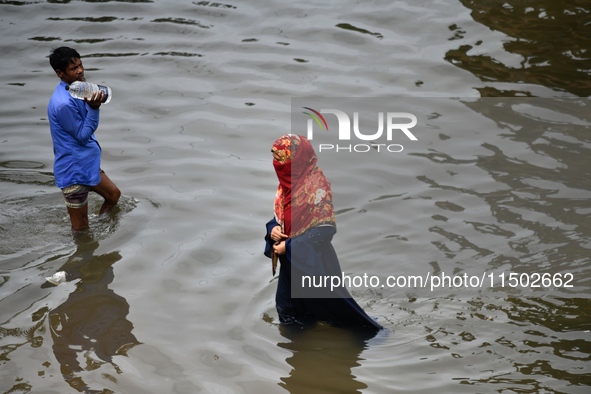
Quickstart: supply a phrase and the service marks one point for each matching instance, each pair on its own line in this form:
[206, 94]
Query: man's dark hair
[61, 57]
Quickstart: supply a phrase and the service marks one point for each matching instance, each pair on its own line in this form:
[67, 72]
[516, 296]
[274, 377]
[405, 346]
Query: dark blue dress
[307, 255]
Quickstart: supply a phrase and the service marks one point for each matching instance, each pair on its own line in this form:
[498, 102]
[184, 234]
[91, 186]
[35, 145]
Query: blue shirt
[77, 154]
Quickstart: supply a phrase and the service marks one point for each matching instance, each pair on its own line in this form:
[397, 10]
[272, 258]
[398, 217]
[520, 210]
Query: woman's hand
[277, 235]
[279, 248]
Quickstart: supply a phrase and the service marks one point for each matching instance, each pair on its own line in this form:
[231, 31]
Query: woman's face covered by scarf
[293, 156]
[304, 197]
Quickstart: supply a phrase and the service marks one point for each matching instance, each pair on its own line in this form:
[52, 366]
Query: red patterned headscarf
[304, 196]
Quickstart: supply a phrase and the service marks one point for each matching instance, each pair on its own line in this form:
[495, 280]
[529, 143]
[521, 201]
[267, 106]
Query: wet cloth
[76, 151]
[76, 196]
[312, 254]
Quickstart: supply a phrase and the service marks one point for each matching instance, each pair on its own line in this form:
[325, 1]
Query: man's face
[74, 72]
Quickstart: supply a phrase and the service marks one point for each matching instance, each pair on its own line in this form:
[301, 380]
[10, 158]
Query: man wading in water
[77, 164]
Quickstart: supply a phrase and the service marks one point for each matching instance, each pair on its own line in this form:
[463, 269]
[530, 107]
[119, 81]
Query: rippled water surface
[171, 292]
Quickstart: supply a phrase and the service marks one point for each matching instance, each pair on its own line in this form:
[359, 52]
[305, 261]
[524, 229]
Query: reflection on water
[199, 92]
[551, 39]
[323, 359]
[538, 196]
[548, 183]
[91, 326]
[547, 199]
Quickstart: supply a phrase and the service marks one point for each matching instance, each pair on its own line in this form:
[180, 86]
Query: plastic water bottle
[80, 89]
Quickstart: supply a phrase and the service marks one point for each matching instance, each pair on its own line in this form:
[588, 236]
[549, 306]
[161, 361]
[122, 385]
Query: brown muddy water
[171, 292]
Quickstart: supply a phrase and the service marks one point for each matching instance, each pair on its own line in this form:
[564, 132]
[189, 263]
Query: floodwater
[171, 293]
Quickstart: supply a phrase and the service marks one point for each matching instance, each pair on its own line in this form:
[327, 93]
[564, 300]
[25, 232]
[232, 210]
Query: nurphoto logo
[396, 125]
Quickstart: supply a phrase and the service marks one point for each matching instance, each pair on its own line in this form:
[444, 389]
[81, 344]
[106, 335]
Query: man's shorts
[76, 196]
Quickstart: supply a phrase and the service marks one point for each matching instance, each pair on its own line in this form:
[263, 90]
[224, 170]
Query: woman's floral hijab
[304, 196]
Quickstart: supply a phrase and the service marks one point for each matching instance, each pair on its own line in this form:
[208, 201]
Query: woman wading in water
[300, 237]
